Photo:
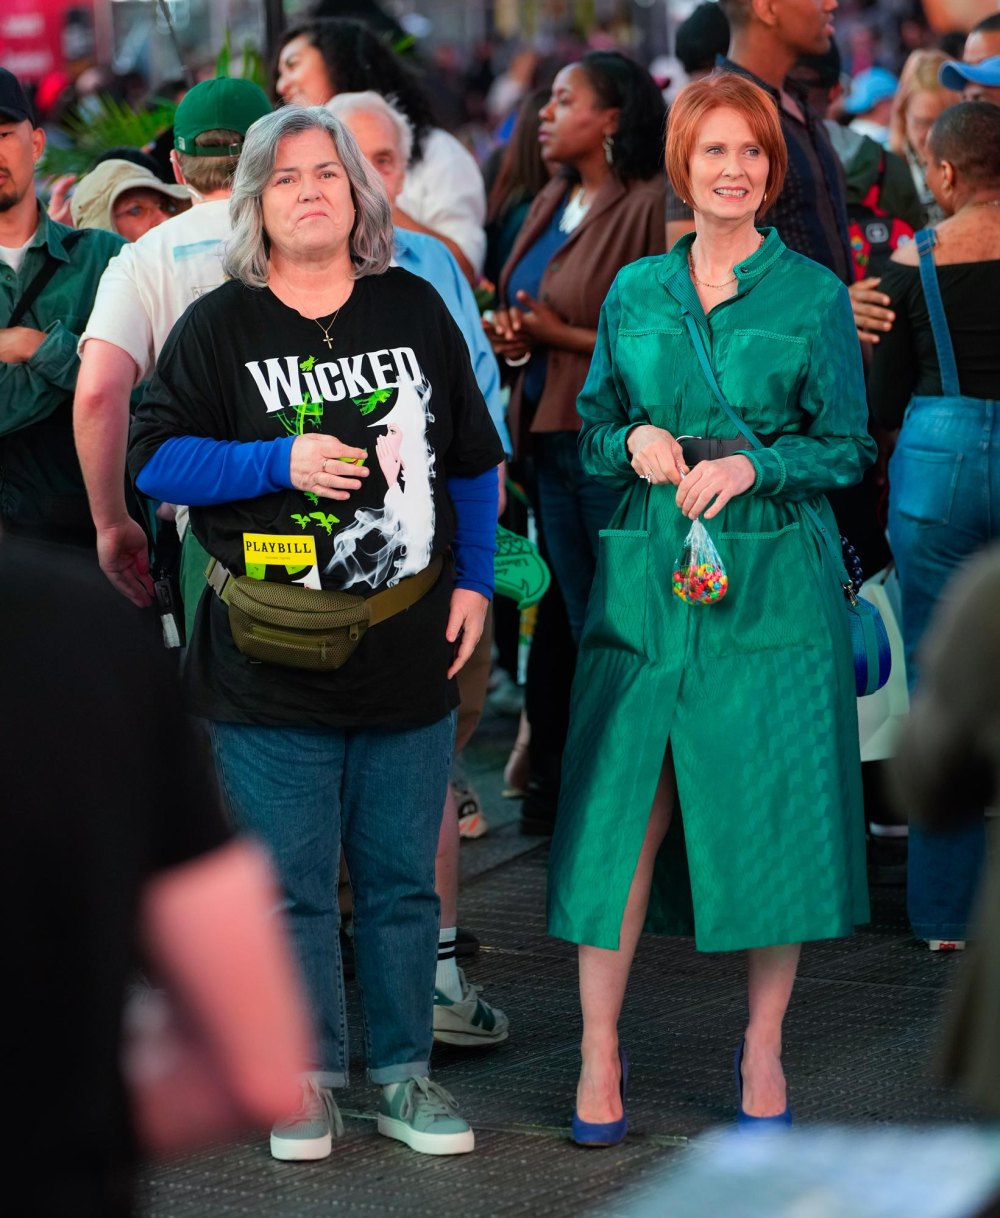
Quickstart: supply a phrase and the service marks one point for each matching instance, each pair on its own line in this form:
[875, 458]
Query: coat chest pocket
[646, 360]
[762, 373]
[616, 612]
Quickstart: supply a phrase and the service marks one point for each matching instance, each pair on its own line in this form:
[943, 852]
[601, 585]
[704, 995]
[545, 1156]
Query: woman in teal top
[726, 733]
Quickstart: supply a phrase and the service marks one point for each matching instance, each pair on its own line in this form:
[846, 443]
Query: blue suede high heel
[610, 1133]
[744, 1120]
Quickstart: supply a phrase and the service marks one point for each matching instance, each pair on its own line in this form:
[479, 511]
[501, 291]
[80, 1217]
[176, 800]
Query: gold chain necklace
[701, 282]
[326, 329]
[715, 286]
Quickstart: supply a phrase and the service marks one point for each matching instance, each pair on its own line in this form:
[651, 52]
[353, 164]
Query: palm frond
[111, 124]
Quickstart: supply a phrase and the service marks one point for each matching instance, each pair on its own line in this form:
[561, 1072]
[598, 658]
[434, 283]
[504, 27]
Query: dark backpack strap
[34, 289]
[873, 195]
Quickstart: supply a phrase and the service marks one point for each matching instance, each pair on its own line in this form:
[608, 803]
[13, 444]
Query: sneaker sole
[301, 1150]
[471, 827]
[427, 1143]
[478, 1040]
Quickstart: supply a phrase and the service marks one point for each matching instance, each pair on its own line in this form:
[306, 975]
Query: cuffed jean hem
[952, 930]
[382, 1075]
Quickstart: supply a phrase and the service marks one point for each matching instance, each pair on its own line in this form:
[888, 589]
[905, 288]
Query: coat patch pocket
[616, 612]
[923, 483]
[774, 596]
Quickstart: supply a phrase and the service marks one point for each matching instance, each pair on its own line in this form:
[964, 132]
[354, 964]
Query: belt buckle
[680, 440]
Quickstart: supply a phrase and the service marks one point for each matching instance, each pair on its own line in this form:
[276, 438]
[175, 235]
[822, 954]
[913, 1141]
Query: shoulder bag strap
[706, 367]
[754, 442]
[34, 289]
[926, 239]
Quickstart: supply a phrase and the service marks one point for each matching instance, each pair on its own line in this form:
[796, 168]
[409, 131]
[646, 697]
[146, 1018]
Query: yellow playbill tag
[295, 554]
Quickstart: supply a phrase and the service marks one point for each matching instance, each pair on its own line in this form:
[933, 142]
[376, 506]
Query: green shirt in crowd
[41, 487]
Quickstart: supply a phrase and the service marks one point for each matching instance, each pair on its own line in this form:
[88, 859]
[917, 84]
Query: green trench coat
[755, 693]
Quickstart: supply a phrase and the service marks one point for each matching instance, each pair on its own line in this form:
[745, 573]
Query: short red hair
[731, 91]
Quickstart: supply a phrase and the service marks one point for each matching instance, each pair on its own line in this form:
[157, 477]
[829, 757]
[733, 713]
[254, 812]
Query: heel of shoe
[746, 1122]
[608, 1133]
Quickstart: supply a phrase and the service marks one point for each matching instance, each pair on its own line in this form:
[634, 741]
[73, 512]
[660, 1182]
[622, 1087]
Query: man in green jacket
[48, 278]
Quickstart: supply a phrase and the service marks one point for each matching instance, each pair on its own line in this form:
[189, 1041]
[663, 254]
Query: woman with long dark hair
[443, 193]
[520, 174]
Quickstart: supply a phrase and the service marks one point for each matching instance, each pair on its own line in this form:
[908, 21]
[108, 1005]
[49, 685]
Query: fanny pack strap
[382, 605]
[754, 442]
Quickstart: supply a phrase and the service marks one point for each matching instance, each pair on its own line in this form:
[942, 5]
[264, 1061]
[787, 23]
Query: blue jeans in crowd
[574, 508]
[944, 505]
[306, 792]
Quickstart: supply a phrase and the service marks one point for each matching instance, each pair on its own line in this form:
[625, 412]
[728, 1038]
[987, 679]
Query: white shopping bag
[880, 715]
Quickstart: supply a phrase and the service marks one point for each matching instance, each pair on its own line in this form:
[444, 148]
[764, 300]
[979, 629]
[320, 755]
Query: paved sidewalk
[859, 1039]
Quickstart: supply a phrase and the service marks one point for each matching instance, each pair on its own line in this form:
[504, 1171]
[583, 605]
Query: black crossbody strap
[834, 549]
[34, 289]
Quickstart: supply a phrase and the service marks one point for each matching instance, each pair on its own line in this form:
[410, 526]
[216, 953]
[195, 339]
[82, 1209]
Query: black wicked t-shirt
[395, 380]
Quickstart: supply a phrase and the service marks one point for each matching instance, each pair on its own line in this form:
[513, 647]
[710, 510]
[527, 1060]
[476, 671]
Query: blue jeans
[305, 793]
[574, 508]
[944, 505]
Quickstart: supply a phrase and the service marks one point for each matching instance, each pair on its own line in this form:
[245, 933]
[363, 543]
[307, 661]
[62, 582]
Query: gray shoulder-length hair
[247, 250]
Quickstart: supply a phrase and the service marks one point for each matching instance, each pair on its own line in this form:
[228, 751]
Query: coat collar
[674, 275]
[548, 199]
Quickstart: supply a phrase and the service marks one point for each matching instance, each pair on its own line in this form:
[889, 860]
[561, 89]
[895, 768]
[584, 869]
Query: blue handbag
[869, 637]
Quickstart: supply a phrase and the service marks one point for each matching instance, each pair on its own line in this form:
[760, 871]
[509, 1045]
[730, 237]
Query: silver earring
[609, 149]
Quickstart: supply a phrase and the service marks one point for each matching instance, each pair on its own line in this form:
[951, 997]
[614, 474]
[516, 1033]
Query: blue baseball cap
[957, 75]
[868, 88]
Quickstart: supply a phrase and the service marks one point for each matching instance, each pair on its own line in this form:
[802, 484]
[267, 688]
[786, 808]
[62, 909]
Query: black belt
[710, 448]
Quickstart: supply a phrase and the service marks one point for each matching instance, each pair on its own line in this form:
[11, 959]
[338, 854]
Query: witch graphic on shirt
[386, 544]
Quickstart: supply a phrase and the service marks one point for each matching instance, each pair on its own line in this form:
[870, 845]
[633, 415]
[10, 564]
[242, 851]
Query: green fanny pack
[307, 627]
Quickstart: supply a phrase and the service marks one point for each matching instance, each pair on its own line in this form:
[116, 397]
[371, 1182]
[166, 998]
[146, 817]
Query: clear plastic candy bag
[699, 577]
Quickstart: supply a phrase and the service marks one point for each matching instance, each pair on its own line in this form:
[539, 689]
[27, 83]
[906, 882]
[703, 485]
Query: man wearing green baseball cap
[225, 104]
[143, 293]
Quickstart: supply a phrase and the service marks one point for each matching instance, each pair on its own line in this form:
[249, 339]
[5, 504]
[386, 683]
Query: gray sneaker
[309, 1132]
[470, 1021]
[425, 1117]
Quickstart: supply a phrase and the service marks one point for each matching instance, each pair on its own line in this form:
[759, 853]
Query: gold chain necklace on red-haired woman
[715, 286]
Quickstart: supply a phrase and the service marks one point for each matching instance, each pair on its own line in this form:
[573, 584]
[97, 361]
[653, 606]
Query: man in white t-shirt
[142, 294]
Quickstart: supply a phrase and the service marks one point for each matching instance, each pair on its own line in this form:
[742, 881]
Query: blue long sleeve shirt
[200, 471]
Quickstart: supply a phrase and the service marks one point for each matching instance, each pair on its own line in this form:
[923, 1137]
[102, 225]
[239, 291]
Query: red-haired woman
[711, 782]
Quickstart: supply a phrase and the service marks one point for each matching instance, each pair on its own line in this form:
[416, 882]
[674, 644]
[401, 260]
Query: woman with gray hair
[320, 415]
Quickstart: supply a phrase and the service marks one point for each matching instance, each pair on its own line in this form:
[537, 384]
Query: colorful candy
[699, 577]
[701, 584]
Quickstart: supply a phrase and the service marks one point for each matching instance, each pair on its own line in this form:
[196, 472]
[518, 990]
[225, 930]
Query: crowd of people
[278, 404]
